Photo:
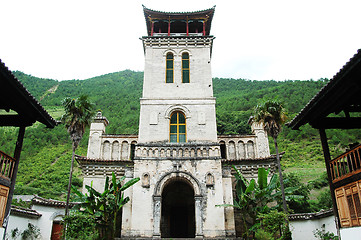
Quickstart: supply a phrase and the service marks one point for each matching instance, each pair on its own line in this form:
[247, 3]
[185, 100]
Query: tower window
[177, 127]
[185, 68]
[169, 68]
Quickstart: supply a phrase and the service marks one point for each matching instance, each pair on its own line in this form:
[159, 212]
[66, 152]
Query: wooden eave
[341, 94]
[207, 15]
[14, 96]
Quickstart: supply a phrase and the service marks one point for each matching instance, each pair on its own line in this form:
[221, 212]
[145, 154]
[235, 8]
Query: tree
[105, 207]
[253, 198]
[272, 115]
[78, 115]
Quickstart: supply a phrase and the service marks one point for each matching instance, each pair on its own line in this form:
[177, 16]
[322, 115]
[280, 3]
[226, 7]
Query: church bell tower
[177, 105]
[177, 155]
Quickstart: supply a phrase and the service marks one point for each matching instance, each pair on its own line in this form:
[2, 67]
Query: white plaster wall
[353, 233]
[97, 181]
[303, 229]
[94, 142]
[22, 223]
[228, 199]
[196, 129]
[200, 85]
[44, 223]
[142, 198]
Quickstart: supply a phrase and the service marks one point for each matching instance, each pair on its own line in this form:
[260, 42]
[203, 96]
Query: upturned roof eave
[311, 111]
[37, 111]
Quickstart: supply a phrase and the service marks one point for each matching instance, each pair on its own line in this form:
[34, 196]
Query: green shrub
[323, 235]
[263, 235]
[81, 225]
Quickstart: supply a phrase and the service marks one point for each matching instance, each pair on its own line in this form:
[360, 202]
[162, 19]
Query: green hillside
[45, 159]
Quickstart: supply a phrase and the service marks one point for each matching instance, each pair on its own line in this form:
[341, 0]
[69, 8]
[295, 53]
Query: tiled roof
[82, 160]
[16, 210]
[50, 202]
[29, 106]
[310, 216]
[205, 14]
[299, 119]
[270, 158]
[180, 13]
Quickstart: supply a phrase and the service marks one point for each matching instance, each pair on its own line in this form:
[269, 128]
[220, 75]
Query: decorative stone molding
[178, 175]
[103, 170]
[186, 151]
[209, 180]
[175, 108]
[226, 171]
[146, 180]
[177, 41]
[198, 200]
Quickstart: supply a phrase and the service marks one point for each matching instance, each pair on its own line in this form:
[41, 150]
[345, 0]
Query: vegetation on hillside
[46, 155]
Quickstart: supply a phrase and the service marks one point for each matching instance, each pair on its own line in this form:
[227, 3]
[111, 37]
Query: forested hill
[46, 152]
[117, 95]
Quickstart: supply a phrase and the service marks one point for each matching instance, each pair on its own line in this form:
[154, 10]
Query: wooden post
[204, 27]
[169, 27]
[151, 33]
[17, 152]
[327, 156]
[187, 28]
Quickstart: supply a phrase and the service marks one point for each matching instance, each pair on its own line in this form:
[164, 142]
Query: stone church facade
[184, 167]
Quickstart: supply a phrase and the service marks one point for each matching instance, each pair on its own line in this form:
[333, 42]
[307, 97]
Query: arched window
[169, 68]
[185, 68]
[177, 127]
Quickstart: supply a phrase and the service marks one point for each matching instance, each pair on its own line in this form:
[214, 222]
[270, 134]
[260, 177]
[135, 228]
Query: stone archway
[177, 213]
[165, 189]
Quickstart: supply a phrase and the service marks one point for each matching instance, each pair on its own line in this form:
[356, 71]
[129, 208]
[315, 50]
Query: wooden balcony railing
[7, 164]
[346, 165]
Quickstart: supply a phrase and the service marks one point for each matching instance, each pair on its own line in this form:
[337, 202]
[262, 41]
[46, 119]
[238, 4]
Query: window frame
[177, 124]
[184, 68]
[169, 69]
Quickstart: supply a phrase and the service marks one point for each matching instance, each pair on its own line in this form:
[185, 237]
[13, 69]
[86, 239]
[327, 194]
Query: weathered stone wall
[194, 99]
[205, 177]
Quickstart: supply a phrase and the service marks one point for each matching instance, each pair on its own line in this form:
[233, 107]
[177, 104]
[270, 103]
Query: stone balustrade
[177, 151]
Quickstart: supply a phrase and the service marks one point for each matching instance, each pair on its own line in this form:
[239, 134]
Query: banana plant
[105, 206]
[255, 197]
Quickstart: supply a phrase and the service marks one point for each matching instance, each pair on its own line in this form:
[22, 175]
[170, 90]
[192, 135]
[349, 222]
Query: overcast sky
[255, 39]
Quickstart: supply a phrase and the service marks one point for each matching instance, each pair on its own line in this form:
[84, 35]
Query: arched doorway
[178, 212]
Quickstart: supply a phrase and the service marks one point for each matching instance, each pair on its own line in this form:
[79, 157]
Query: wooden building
[337, 106]
[18, 108]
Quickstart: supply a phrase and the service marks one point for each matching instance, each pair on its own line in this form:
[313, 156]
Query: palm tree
[272, 115]
[78, 115]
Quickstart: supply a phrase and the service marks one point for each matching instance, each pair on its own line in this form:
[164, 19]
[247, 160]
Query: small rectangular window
[185, 68]
[169, 66]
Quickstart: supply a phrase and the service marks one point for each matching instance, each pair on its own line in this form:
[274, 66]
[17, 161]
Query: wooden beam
[17, 152]
[16, 120]
[337, 123]
[327, 156]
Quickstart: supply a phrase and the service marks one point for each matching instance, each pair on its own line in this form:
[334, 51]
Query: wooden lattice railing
[346, 165]
[7, 164]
